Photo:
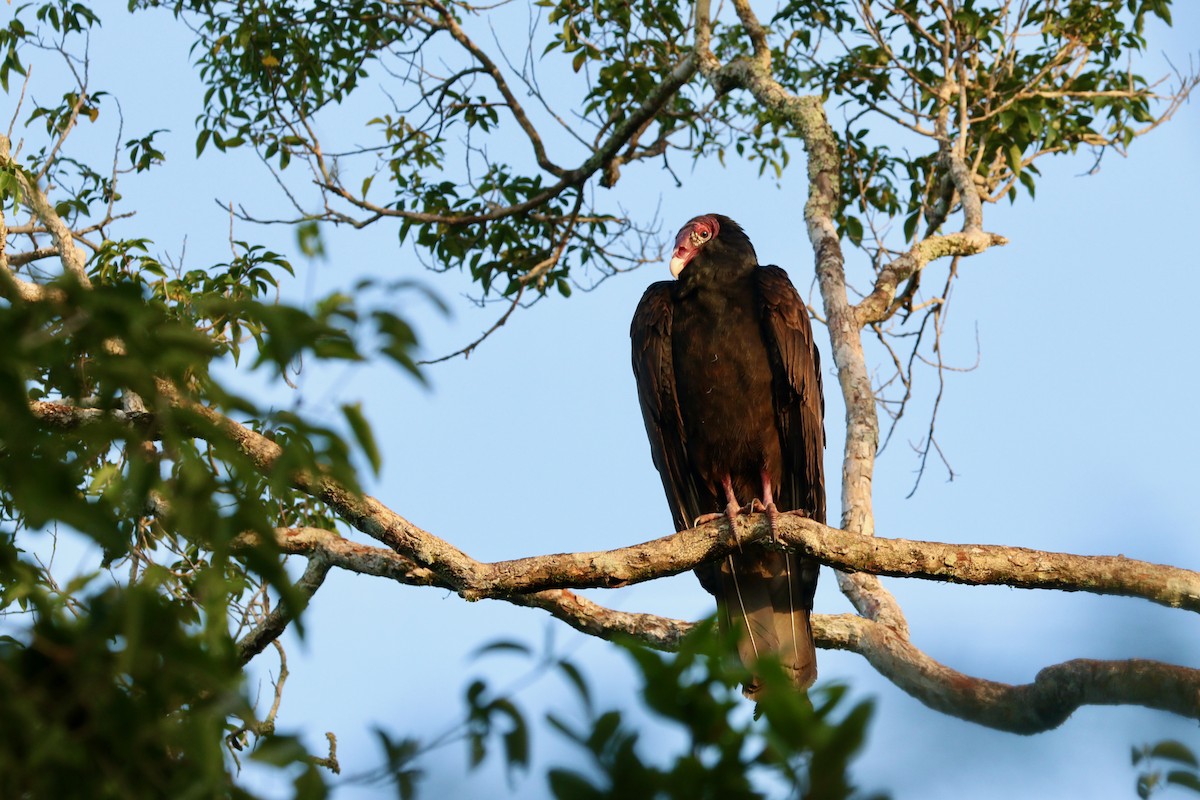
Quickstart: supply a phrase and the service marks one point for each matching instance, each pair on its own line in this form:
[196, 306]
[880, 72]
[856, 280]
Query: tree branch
[971, 564]
[626, 129]
[877, 306]
[451, 25]
[579, 612]
[273, 626]
[968, 564]
[72, 257]
[1056, 692]
[418, 557]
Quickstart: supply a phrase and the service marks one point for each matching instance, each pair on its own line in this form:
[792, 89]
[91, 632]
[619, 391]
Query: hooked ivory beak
[685, 250]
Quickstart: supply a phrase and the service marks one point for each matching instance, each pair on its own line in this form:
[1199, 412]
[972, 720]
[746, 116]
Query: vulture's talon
[731, 514]
[772, 517]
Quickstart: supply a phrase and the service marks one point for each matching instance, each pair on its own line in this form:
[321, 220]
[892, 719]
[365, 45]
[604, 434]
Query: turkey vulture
[729, 381]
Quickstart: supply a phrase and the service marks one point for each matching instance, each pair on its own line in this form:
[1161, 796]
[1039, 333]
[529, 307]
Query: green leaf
[1034, 119]
[854, 230]
[279, 751]
[363, 435]
[1184, 778]
[568, 785]
[576, 679]
[503, 646]
[1172, 750]
[476, 750]
[516, 743]
[1014, 159]
[309, 785]
[606, 727]
[309, 240]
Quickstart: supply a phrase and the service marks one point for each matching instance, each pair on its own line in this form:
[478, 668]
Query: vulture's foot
[772, 518]
[772, 513]
[731, 514]
[767, 504]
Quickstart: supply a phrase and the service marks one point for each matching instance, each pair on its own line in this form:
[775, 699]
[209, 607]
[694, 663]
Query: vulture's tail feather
[767, 595]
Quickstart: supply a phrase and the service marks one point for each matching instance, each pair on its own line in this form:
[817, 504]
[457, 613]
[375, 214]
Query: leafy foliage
[804, 746]
[1008, 87]
[1186, 773]
[273, 70]
[790, 747]
[117, 439]
[108, 688]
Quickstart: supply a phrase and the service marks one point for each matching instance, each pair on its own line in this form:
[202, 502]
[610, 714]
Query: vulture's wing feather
[799, 403]
[655, 374]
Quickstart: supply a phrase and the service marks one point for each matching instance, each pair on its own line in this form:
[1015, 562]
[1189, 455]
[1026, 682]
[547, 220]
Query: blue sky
[1076, 433]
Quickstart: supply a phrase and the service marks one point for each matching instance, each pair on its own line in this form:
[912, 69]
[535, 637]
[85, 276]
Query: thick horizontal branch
[66, 417]
[29, 256]
[584, 615]
[972, 564]
[1055, 693]
[983, 564]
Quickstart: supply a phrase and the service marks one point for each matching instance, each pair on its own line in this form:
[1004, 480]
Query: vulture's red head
[711, 239]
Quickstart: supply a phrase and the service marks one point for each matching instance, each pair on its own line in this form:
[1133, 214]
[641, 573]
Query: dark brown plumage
[730, 386]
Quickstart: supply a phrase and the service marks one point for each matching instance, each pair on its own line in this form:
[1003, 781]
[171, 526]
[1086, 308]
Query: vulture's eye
[704, 234]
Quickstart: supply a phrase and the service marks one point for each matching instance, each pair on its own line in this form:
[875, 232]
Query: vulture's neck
[708, 276]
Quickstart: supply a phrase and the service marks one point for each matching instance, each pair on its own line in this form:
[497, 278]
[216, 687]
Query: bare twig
[466, 351]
